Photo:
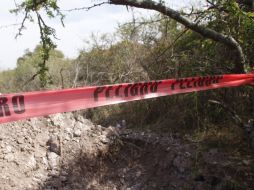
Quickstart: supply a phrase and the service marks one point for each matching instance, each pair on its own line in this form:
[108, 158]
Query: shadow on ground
[137, 161]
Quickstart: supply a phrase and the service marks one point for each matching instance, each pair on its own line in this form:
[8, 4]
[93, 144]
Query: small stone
[8, 149]
[80, 118]
[76, 140]
[67, 138]
[45, 161]
[79, 125]
[104, 139]
[99, 127]
[9, 157]
[42, 139]
[54, 173]
[53, 160]
[87, 122]
[68, 130]
[20, 140]
[2, 145]
[31, 162]
[39, 177]
[24, 148]
[77, 133]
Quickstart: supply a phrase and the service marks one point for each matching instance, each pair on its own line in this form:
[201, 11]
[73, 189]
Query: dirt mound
[69, 152]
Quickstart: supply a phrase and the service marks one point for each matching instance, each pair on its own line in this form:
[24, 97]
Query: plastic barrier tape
[31, 104]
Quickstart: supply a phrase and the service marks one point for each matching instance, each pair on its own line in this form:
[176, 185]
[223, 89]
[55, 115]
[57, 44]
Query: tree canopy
[228, 22]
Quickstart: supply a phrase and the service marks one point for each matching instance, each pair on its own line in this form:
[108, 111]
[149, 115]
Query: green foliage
[174, 52]
[225, 16]
[25, 76]
[47, 33]
[149, 49]
[232, 18]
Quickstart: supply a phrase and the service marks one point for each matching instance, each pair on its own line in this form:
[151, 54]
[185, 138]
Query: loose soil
[67, 152]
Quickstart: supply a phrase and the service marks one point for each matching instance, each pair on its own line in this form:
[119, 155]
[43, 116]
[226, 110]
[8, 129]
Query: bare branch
[22, 27]
[233, 114]
[77, 70]
[30, 80]
[9, 25]
[62, 78]
[85, 8]
[171, 44]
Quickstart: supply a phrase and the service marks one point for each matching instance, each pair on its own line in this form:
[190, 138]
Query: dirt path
[67, 152]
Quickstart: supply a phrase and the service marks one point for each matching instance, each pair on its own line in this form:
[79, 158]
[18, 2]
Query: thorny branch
[9, 25]
[22, 27]
[85, 8]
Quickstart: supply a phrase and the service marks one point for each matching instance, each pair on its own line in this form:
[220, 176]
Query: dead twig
[85, 8]
[233, 114]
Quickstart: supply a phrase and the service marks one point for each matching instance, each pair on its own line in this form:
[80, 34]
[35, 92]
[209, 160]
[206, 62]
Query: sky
[79, 25]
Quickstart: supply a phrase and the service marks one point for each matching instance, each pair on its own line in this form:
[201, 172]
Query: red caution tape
[31, 104]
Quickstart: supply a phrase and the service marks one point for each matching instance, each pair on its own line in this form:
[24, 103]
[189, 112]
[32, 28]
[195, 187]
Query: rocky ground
[67, 152]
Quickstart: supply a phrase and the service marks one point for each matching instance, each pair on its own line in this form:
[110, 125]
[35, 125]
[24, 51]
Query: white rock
[2, 145]
[45, 162]
[7, 149]
[53, 160]
[77, 133]
[20, 140]
[68, 130]
[82, 126]
[9, 157]
[80, 118]
[31, 162]
[57, 119]
[87, 122]
[104, 139]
